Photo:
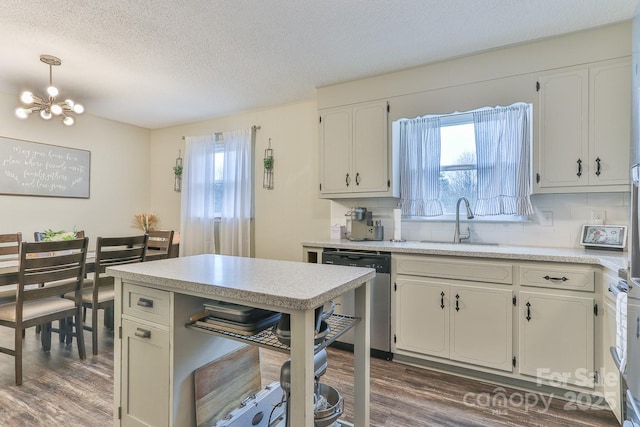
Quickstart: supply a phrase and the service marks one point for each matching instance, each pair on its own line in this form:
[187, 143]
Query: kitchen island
[156, 353]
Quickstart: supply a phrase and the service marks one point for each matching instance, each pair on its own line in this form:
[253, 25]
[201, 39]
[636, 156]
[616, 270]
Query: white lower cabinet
[481, 326]
[145, 362]
[448, 319]
[556, 338]
[422, 319]
[530, 321]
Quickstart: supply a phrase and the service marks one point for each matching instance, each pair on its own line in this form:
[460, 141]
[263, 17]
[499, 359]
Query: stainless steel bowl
[333, 407]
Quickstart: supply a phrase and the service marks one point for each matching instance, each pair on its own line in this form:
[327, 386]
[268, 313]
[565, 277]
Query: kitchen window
[483, 155]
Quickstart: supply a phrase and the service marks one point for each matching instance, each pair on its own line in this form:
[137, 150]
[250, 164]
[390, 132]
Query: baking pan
[236, 312]
[243, 328]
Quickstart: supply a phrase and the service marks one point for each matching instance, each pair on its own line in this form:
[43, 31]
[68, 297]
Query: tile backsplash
[557, 221]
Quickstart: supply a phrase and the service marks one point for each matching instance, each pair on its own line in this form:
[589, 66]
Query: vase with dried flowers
[145, 221]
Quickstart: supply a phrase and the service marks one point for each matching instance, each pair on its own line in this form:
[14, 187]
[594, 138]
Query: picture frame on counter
[604, 236]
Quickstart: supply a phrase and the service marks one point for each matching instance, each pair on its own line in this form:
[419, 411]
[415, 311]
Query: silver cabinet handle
[145, 302]
[143, 333]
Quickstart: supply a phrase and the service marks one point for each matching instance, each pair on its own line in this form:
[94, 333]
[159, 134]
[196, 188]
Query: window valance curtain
[503, 153]
[503, 140]
[420, 167]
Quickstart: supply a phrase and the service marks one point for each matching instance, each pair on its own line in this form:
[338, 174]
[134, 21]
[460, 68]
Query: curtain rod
[253, 129]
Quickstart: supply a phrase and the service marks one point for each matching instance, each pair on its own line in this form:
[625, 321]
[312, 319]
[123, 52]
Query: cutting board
[221, 385]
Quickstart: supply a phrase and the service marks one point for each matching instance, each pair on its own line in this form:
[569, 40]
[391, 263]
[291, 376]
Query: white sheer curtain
[503, 150]
[235, 222]
[198, 205]
[197, 218]
[420, 168]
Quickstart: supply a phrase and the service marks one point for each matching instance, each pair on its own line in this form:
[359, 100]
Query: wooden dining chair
[61, 267]
[98, 293]
[10, 243]
[38, 236]
[9, 247]
[160, 244]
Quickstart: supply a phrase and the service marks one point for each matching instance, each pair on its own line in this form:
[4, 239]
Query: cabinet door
[422, 316]
[563, 128]
[145, 375]
[370, 148]
[610, 123]
[556, 338]
[336, 149]
[481, 326]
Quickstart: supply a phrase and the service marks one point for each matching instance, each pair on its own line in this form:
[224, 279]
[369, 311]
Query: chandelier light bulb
[78, 108]
[26, 97]
[52, 91]
[69, 103]
[68, 120]
[45, 114]
[56, 109]
[22, 113]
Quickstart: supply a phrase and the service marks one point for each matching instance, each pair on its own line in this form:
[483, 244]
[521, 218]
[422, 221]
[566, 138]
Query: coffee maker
[360, 225]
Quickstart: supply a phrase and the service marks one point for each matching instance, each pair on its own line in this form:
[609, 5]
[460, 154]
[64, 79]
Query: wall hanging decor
[35, 169]
[177, 172]
[267, 178]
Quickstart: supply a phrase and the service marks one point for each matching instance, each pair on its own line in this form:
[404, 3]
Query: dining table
[10, 265]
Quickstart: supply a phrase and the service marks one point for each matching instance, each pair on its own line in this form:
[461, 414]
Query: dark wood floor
[61, 390]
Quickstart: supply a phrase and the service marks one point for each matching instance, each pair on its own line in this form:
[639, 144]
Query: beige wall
[285, 215]
[119, 176]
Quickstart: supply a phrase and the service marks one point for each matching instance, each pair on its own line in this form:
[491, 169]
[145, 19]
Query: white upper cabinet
[584, 128]
[355, 153]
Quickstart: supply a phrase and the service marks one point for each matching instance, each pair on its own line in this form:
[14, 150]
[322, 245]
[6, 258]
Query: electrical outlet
[546, 219]
[598, 217]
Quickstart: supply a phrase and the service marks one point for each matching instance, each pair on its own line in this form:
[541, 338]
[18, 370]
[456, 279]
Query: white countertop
[608, 259]
[285, 284]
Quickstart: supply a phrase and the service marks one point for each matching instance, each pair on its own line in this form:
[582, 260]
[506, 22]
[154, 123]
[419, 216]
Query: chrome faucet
[457, 237]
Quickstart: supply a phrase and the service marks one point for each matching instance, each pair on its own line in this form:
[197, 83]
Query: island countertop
[285, 284]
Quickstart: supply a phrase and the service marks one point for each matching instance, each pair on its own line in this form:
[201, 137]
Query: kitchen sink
[461, 243]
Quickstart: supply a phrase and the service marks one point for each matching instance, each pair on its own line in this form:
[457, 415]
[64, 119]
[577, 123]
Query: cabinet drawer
[146, 303]
[558, 277]
[476, 271]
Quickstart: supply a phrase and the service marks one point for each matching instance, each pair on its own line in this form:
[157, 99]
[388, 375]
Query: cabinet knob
[457, 302]
[442, 300]
[357, 178]
[347, 180]
[598, 166]
[528, 311]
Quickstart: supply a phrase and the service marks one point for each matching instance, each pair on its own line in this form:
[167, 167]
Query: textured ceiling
[159, 63]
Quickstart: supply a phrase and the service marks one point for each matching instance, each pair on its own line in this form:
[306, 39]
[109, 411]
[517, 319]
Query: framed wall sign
[34, 169]
[604, 236]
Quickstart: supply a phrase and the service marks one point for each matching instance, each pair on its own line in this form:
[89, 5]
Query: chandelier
[48, 107]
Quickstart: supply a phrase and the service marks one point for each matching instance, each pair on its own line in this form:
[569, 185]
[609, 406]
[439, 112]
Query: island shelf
[339, 324]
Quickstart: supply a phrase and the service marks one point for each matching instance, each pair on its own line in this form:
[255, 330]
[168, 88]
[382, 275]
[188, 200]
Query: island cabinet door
[557, 338]
[482, 326]
[145, 375]
[422, 316]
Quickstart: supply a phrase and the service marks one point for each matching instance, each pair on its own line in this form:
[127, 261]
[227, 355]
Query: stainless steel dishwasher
[380, 298]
